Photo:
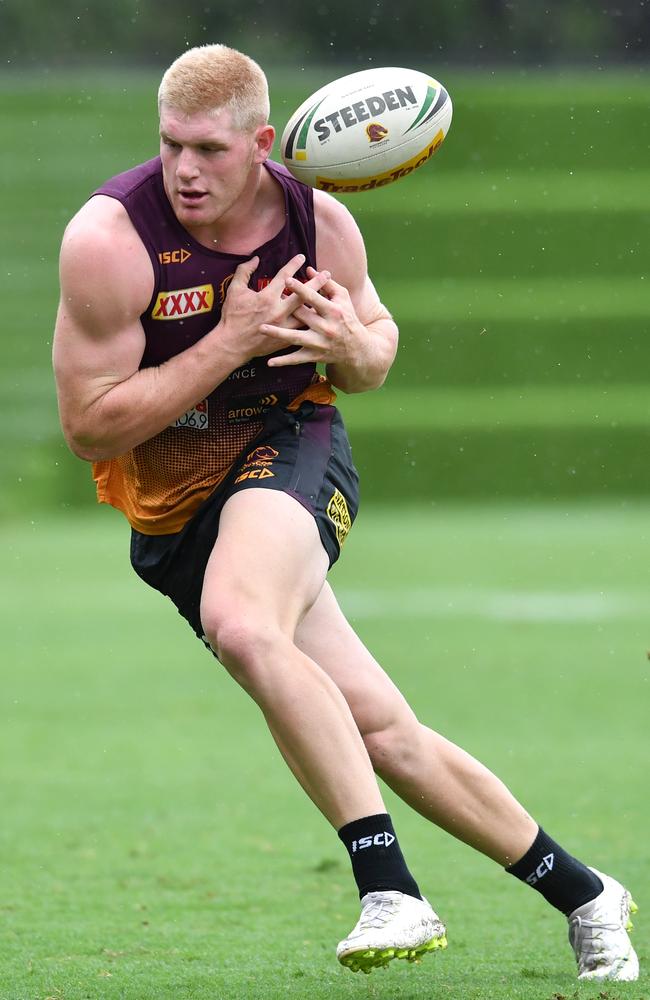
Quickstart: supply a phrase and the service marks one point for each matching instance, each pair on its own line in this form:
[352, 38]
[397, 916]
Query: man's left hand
[332, 332]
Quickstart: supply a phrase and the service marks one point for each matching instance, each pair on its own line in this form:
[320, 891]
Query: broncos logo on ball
[376, 132]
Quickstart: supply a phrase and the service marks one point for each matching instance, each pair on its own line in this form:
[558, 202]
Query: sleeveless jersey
[159, 484]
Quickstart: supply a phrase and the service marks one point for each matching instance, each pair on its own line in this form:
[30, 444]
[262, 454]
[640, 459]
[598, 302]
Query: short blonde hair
[212, 78]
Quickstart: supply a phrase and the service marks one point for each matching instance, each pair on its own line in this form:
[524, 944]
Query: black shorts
[305, 454]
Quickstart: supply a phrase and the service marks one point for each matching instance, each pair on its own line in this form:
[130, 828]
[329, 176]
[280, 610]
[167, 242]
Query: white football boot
[598, 934]
[391, 925]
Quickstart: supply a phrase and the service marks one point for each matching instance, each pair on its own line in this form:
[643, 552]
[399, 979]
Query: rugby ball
[366, 130]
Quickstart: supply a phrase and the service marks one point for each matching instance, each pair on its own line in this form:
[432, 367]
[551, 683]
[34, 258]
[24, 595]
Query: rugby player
[199, 291]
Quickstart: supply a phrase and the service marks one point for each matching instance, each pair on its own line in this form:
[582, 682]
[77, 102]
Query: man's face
[206, 163]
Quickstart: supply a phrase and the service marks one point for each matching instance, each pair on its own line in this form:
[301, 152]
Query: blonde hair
[213, 78]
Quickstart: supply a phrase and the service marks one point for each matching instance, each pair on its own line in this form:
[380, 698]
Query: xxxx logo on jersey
[184, 302]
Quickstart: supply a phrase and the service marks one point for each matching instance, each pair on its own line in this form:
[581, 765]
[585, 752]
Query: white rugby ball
[366, 130]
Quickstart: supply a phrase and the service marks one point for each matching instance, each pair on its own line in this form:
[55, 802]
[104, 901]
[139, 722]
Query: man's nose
[187, 166]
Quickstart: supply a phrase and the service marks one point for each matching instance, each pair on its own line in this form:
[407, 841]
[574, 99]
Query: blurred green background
[516, 263]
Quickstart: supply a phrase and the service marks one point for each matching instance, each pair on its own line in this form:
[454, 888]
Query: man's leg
[266, 570]
[435, 777]
[457, 793]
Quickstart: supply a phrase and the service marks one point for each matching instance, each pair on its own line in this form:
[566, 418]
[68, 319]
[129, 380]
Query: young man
[199, 290]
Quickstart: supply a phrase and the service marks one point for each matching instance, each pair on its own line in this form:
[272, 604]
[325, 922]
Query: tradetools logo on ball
[347, 185]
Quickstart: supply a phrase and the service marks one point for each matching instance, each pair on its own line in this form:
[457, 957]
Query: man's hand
[247, 315]
[331, 330]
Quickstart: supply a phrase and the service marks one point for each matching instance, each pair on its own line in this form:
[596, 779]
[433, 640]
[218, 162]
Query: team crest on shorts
[262, 454]
[339, 515]
[257, 464]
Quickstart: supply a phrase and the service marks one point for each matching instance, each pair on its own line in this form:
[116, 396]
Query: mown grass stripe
[468, 191]
[560, 606]
[618, 406]
[528, 299]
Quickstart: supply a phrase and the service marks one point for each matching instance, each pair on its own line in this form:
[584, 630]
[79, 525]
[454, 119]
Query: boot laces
[589, 942]
[377, 912]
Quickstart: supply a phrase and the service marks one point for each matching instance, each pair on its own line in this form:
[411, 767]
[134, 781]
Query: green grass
[154, 845]
[431, 410]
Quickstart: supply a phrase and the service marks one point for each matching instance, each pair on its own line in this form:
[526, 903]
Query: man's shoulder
[123, 185]
[101, 247]
[329, 211]
[336, 228]
[99, 222]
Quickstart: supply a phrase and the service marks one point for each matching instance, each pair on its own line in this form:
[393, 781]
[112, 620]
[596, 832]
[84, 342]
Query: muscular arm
[107, 404]
[347, 327]
[340, 250]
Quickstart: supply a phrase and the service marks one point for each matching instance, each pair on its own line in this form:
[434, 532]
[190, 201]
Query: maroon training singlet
[160, 483]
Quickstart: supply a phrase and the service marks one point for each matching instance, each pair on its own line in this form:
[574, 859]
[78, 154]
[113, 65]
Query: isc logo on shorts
[183, 302]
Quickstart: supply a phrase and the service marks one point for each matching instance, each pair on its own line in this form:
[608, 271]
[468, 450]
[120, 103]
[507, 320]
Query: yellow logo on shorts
[339, 515]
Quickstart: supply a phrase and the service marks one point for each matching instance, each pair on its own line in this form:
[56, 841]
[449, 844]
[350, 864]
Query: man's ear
[264, 139]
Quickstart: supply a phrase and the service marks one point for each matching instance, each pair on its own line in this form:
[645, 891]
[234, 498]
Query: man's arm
[348, 327]
[107, 404]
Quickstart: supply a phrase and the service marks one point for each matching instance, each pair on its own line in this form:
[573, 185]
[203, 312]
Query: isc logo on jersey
[174, 256]
[183, 302]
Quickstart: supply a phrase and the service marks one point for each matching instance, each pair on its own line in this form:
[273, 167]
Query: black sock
[562, 880]
[377, 860]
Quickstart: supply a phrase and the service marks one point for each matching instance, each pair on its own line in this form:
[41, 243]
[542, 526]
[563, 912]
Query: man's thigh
[268, 560]
[304, 455]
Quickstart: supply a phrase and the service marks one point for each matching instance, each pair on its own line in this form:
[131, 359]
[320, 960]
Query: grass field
[155, 847]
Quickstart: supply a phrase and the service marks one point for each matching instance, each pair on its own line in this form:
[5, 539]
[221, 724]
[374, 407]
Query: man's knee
[242, 641]
[394, 747]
